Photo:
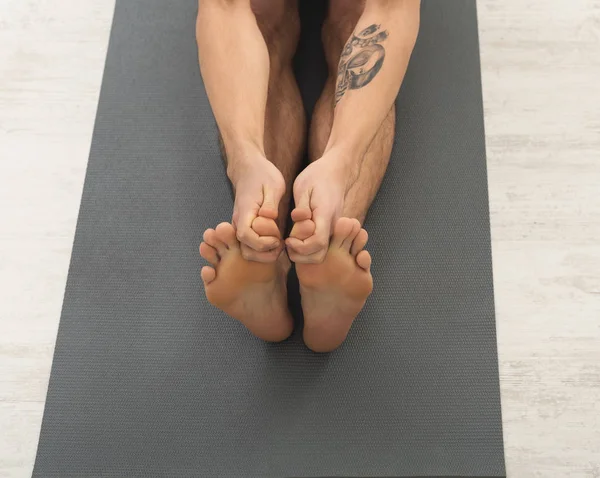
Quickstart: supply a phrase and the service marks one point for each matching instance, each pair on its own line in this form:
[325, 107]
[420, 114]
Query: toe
[303, 230]
[363, 259]
[208, 275]
[301, 214]
[359, 242]
[211, 238]
[343, 228]
[226, 234]
[209, 253]
[347, 243]
[265, 227]
[268, 212]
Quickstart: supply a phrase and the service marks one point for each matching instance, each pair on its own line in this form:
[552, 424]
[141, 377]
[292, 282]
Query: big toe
[268, 211]
[344, 232]
[301, 214]
[303, 230]
[226, 234]
[265, 227]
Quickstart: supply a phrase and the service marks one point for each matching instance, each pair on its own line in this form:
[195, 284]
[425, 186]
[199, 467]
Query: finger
[303, 230]
[270, 205]
[246, 235]
[318, 241]
[312, 245]
[255, 256]
[323, 223]
[302, 211]
[347, 242]
[316, 258]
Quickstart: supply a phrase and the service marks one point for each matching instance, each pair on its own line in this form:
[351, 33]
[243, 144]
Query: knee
[342, 17]
[279, 23]
[277, 20]
[342, 8]
[345, 14]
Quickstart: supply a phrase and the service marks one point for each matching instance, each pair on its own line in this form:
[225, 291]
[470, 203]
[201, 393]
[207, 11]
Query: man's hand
[259, 187]
[319, 193]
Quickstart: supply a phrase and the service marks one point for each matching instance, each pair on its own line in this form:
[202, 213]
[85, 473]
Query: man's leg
[261, 121]
[334, 291]
[284, 118]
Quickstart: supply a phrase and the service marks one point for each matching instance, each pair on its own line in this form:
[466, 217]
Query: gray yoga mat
[149, 380]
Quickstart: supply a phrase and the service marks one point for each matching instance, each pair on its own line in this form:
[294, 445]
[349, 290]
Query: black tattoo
[361, 60]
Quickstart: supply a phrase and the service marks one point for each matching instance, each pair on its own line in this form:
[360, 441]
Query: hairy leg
[256, 103]
[262, 156]
[284, 117]
[335, 290]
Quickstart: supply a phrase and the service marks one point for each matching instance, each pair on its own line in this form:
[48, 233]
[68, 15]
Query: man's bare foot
[252, 292]
[335, 291]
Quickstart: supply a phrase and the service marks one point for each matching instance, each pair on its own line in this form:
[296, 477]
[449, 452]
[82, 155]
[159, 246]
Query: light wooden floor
[541, 76]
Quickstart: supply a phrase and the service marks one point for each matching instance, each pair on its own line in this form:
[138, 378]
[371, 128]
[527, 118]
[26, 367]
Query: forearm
[370, 73]
[234, 63]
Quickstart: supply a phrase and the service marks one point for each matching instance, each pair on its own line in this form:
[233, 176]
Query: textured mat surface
[149, 380]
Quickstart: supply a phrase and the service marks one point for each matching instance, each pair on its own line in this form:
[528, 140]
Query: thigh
[347, 8]
[279, 23]
[342, 17]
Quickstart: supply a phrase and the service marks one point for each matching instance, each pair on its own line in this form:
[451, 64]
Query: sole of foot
[252, 292]
[335, 291]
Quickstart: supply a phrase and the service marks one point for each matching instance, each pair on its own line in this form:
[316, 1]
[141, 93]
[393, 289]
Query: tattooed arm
[370, 72]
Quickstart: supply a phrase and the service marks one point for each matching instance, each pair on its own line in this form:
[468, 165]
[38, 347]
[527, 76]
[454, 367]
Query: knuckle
[311, 260]
[272, 256]
[301, 249]
[322, 243]
[261, 247]
[293, 255]
[243, 235]
[247, 254]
